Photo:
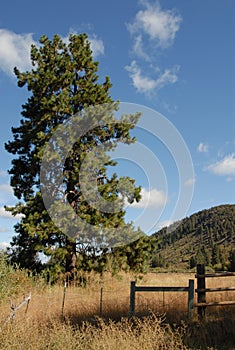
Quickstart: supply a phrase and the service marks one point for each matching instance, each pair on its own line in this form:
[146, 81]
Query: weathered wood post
[201, 289]
[190, 298]
[101, 301]
[15, 308]
[132, 299]
[63, 301]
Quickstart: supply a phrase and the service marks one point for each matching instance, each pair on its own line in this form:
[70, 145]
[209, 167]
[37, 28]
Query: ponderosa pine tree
[62, 83]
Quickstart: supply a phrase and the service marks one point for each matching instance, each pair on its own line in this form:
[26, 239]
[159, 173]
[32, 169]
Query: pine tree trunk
[71, 260]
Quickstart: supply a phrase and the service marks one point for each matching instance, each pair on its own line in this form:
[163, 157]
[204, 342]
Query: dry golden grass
[148, 333]
[43, 327]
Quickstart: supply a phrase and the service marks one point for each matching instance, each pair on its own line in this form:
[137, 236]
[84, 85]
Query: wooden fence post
[15, 308]
[132, 299]
[201, 286]
[101, 301]
[190, 298]
[63, 301]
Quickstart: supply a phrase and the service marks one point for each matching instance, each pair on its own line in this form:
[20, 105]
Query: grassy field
[161, 318]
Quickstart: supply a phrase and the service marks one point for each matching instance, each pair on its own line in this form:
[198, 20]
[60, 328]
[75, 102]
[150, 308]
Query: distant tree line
[212, 233]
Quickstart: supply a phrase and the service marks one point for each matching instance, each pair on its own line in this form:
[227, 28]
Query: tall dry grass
[81, 327]
[147, 333]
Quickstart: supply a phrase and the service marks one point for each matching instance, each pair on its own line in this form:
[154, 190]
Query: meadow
[85, 318]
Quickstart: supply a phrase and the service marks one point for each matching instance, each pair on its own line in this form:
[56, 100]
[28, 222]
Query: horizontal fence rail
[214, 289]
[216, 303]
[201, 289]
[217, 274]
[189, 290]
[15, 308]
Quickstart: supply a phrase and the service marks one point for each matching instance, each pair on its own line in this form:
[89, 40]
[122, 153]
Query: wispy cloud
[224, 167]
[144, 84]
[159, 25]
[7, 215]
[152, 31]
[163, 224]
[6, 194]
[202, 147]
[97, 45]
[6, 188]
[190, 182]
[139, 48]
[4, 245]
[15, 51]
[150, 199]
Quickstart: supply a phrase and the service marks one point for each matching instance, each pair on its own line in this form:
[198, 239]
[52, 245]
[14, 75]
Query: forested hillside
[206, 237]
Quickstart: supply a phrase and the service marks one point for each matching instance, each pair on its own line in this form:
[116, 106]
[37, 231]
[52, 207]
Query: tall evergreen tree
[62, 83]
[216, 255]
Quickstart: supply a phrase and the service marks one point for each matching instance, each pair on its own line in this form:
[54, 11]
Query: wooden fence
[15, 308]
[189, 290]
[202, 290]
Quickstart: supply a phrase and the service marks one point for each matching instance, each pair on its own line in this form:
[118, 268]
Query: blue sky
[174, 57]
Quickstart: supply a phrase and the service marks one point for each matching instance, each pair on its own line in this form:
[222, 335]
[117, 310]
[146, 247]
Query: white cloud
[140, 82]
[6, 188]
[150, 199]
[138, 48]
[159, 25]
[203, 147]
[190, 182]
[168, 77]
[163, 224]
[146, 85]
[7, 214]
[153, 30]
[224, 167]
[15, 51]
[6, 194]
[4, 245]
[97, 45]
